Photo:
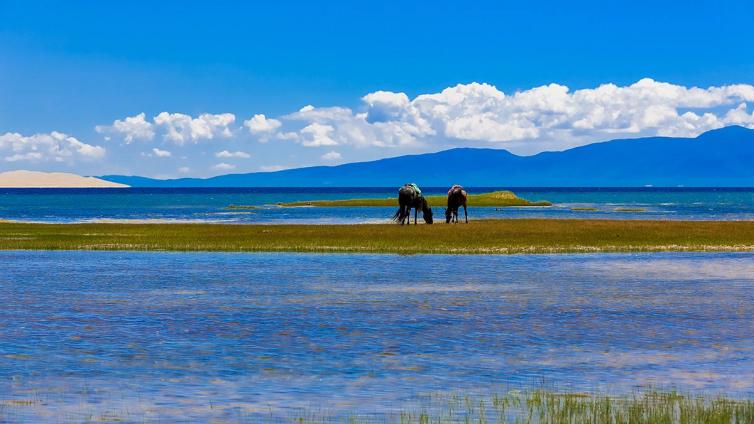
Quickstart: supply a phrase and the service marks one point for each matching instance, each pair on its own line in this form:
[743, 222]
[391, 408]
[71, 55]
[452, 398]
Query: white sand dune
[34, 179]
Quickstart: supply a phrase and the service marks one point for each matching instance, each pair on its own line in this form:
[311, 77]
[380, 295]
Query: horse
[457, 196]
[408, 198]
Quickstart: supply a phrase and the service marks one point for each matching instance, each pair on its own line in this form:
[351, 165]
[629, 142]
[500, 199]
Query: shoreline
[497, 237]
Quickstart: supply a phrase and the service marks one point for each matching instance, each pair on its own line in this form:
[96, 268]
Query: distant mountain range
[718, 158]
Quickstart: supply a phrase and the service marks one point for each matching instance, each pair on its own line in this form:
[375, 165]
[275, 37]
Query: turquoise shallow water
[209, 205]
[191, 337]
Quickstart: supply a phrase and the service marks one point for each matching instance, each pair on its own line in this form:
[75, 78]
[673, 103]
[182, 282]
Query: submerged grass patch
[241, 207]
[584, 209]
[478, 237]
[495, 198]
[630, 210]
[540, 406]
[566, 408]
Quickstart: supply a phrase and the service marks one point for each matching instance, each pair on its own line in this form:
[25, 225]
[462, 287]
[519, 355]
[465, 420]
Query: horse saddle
[414, 187]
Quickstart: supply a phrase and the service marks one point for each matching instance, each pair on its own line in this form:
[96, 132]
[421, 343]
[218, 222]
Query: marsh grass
[495, 198]
[241, 207]
[519, 407]
[477, 237]
[651, 407]
[584, 209]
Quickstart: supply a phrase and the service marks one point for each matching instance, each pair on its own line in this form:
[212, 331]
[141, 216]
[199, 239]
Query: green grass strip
[478, 237]
[496, 198]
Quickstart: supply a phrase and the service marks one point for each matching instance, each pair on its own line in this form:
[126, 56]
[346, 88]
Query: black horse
[409, 197]
[457, 197]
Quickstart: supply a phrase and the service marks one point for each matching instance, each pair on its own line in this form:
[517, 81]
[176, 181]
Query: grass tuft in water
[584, 209]
[652, 407]
[630, 210]
[495, 198]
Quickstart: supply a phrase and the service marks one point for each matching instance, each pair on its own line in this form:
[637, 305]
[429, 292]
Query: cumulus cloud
[228, 154]
[130, 128]
[331, 155]
[161, 153]
[46, 147]
[176, 127]
[552, 115]
[181, 128]
[548, 117]
[316, 135]
[222, 166]
[262, 126]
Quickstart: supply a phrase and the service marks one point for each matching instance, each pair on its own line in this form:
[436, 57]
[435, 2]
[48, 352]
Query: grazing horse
[409, 196]
[456, 197]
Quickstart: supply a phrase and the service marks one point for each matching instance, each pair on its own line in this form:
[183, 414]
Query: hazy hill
[723, 157]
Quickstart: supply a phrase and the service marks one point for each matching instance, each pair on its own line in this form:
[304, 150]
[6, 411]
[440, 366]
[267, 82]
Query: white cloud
[184, 170]
[161, 153]
[55, 146]
[181, 128]
[549, 117]
[262, 126]
[739, 116]
[224, 167]
[272, 168]
[131, 128]
[176, 127]
[546, 117]
[316, 135]
[331, 155]
[228, 154]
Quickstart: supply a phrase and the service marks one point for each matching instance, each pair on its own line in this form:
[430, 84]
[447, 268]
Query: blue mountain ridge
[717, 158]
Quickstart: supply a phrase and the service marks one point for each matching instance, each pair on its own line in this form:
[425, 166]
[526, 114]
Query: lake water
[195, 337]
[210, 204]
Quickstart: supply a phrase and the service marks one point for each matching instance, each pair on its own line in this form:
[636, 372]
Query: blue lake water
[192, 337]
[210, 204]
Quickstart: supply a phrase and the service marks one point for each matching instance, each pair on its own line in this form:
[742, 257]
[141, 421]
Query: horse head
[426, 212]
[448, 215]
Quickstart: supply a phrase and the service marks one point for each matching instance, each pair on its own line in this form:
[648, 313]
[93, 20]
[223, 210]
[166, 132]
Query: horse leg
[465, 213]
[416, 213]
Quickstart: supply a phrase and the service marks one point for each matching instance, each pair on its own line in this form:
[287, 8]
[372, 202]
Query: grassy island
[478, 237]
[495, 198]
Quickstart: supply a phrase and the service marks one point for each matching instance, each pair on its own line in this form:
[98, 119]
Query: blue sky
[373, 72]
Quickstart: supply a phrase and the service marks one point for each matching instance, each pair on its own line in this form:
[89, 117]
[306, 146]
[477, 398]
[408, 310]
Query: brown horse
[457, 197]
[409, 197]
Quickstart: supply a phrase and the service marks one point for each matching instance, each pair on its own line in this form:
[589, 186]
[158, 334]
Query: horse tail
[403, 210]
[397, 216]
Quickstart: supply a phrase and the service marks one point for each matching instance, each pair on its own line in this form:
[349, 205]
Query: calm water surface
[196, 336]
[210, 204]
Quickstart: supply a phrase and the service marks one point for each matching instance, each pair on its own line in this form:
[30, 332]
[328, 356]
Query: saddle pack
[414, 187]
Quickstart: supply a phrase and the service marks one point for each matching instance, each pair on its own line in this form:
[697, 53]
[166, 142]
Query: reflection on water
[198, 335]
